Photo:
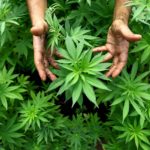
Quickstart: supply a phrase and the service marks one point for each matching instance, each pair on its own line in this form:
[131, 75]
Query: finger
[108, 74]
[100, 49]
[115, 61]
[40, 66]
[124, 56]
[128, 34]
[38, 57]
[55, 52]
[50, 74]
[118, 69]
[123, 60]
[53, 62]
[108, 57]
[58, 54]
[45, 62]
[51, 59]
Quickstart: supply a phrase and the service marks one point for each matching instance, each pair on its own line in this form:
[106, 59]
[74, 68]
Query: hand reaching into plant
[118, 38]
[42, 57]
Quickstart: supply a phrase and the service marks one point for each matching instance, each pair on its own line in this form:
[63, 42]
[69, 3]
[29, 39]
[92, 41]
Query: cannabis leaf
[79, 34]
[143, 46]
[79, 72]
[141, 11]
[9, 132]
[36, 111]
[9, 16]
[9, 91]
[52, 130]
[132, 131]
[130, 90]
[54, 32]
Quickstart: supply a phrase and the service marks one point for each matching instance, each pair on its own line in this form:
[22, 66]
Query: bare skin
[118, 38]
[42, 58]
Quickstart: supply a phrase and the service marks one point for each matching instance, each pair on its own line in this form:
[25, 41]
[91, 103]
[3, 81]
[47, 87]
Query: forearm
[37, 10]
[121, 11]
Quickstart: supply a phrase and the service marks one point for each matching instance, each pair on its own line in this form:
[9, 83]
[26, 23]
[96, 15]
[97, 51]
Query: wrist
[39, 28]
[38, 21]
[122, 11]
[115, 26]
[123, 17]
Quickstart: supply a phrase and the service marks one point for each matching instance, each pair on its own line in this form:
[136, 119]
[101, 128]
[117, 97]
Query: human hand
[42, 57]
[117, 45]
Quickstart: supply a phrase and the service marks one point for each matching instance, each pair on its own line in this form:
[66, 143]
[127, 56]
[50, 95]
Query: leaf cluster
[79, 72]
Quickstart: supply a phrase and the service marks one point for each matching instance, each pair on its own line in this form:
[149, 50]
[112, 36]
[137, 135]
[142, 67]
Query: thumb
[128, 34]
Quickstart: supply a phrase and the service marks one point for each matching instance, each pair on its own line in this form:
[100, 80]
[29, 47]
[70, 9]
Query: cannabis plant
[132, 131]
[131, 93]
[141, 11]
[10, 134]
[9, 16]
[10, 91]
[79, 72]
[144, 47]
[36, 111]
[33, 119]
[54, 33]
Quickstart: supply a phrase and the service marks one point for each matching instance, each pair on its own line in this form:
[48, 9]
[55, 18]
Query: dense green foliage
[65, 114]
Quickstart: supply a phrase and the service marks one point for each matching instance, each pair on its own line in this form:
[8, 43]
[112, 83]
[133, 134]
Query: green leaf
[142, 76]
[144, 95]
[70, 47]
[117, 101]
[125, 109]
[86, 59]
[145, 54]
[123, 135]
[141, 46]
[144, 138]
[79, 49]
[76, 92]
[75, 79]
[146, 132]
[80, 100]
[96, 60]
[12, 22]
[144, 146]
[4, 101]
[66, 66]
[119, 128]
[64, 53]
[55, 84]
[96, 83]
[138, 11]
[69, 77]
[64, 61]
[89, 2]
[136, 107]
[63, 88]
[104, 66]
[3, 25]
[89, 92]
[136, 141]
[82, 77]
[134, 70]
